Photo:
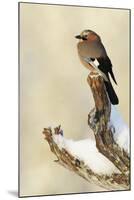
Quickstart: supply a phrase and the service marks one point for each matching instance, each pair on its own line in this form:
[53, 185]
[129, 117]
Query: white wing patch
[95, 65]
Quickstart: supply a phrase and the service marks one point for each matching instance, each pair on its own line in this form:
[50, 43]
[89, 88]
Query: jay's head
[88, 35]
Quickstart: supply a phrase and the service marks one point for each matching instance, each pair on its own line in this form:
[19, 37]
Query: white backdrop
[54, 89]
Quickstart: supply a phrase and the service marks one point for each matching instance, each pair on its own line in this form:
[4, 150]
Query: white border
[9, 99]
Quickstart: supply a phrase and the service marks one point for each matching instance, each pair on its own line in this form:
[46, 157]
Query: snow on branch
[104, 161]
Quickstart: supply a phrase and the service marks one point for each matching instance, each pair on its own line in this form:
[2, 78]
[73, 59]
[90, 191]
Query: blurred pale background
[54, 89]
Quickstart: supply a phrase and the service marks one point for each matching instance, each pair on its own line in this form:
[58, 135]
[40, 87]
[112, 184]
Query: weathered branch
[64, 158]
[98, 120]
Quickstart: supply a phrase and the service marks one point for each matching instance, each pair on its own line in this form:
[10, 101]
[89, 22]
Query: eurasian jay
[90, 48]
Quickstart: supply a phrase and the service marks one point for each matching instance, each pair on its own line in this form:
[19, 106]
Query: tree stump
[98, 121]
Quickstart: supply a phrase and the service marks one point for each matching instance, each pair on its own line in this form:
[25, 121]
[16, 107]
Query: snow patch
[85, 150]
[121, 134]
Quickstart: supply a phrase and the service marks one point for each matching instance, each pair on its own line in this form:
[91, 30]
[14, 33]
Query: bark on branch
[98, 120]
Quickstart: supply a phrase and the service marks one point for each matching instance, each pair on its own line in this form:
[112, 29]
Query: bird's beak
[78, 37]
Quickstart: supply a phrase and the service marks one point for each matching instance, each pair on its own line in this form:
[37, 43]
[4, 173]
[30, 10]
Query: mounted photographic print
[74, 92]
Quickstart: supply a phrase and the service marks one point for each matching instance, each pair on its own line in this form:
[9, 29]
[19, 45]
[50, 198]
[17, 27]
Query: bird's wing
[105, 66]
[89, 61]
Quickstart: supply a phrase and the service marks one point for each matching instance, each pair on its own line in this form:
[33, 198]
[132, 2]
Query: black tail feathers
[111, 93]
[112, 75]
